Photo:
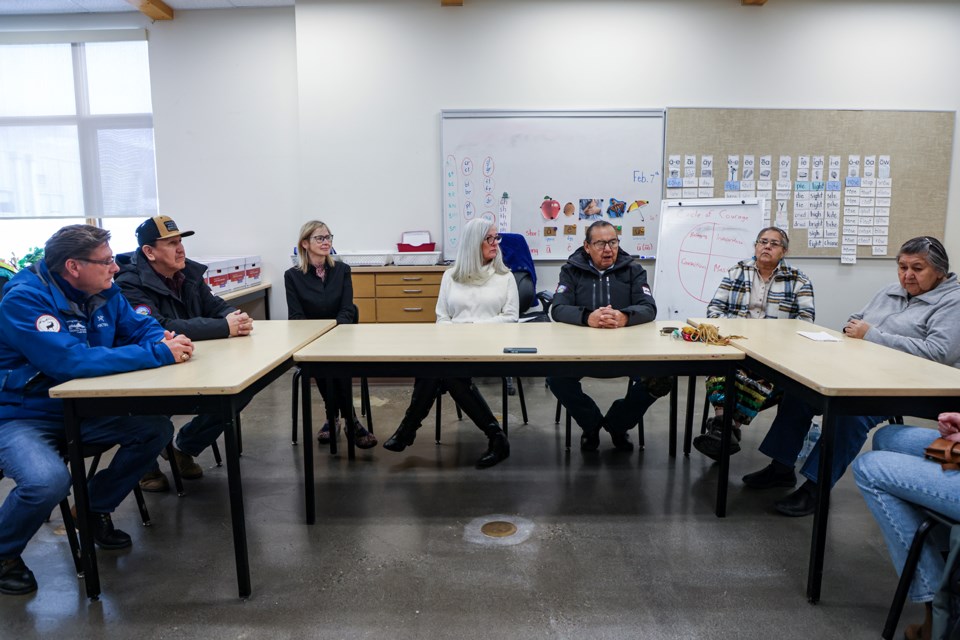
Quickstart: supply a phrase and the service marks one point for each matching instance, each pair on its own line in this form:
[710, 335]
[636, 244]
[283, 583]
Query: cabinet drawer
[409, 278]
[368, 309]
[364, 285]
[409, 290]
[406, 310]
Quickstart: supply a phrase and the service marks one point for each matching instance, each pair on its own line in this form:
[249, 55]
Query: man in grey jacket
[602, 287]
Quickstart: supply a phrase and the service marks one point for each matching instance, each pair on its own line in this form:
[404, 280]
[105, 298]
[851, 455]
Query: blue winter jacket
[47, 339]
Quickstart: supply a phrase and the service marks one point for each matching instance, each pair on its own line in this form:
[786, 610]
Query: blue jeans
[622, 416]
[785, 439]
[894, 478]
[29, 455]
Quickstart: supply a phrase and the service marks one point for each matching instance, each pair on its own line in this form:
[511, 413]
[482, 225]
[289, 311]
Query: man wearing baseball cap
[160, 281]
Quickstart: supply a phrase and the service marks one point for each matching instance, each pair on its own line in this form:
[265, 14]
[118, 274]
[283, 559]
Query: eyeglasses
[492, 240]
[773, 243]
[321, 239]
[600, 244]
[106, 262]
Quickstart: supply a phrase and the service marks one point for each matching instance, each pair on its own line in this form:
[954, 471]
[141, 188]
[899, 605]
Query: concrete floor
[610, 545]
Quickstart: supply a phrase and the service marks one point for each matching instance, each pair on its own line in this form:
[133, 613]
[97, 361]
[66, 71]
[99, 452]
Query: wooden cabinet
[397, 294]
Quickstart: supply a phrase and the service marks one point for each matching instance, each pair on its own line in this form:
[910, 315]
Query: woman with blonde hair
[320, 288]
[478, 288]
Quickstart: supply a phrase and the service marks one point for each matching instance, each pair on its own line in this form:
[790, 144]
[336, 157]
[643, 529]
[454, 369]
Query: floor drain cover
[498, 529]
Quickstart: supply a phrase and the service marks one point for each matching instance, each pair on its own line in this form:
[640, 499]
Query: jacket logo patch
[48, 323]
[143, 310]
[646, 290]
[561, 288]
[76, 326]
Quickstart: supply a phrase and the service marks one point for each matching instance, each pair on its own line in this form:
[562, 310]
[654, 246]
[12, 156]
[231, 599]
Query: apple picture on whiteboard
[550, 208]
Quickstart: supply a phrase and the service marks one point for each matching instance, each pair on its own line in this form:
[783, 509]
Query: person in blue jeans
[60, 319]
[918, 315]
[896, 481]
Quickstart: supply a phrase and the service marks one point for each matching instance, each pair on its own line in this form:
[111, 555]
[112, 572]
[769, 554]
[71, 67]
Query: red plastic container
[406, 248]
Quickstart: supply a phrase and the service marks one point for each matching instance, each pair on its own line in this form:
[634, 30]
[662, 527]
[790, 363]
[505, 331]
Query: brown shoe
[154, 482]
[189, 469]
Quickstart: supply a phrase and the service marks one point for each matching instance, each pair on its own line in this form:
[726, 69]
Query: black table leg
[78, 474]
[306, 410]
[818, 543]
[729, 404]
[236, 503]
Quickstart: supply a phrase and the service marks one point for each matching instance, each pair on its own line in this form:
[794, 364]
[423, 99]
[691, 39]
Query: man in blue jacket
[604, 288]
[60, 319]
[159, 281]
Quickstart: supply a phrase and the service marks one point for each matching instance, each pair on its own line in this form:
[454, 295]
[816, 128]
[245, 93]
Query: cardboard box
[224, 273]
[251, 268]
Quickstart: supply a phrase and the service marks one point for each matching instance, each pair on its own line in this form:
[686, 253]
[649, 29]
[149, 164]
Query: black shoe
[621, 441]
[801, 502]
[709, 443]
[770, 477]
[402, 438]
[497, 451]
[590, 440]
[15, 578]
[105, 535]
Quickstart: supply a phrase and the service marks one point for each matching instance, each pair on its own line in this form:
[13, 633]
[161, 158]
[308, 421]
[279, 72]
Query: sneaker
[154, 482]
[709, 443]
[363, 439]
[770, 477]
[105, 535]
[15, 578]
[323, 437]
[188, 467]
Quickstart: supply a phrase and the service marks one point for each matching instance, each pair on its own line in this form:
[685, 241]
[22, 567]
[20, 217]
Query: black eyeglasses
[492, 240]
[600, 244]
[106, 262]
[773, 243]
[321, 239]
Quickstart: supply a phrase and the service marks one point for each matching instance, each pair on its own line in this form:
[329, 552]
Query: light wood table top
[218, 367]
[850, 367]
[486, 342]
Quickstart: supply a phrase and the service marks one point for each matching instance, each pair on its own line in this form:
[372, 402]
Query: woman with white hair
[478, 288]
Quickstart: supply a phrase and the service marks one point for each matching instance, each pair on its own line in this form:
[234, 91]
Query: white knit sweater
[494, 301]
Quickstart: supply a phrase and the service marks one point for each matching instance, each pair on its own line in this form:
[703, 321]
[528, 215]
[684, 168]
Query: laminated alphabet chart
[844, 184]
[549, 174]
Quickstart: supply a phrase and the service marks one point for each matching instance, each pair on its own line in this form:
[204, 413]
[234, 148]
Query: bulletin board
[856, 184]
[549, 174]
[700, 240]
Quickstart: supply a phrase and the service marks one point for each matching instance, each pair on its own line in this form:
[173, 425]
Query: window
[76, 134]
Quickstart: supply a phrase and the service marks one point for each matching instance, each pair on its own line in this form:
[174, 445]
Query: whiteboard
[699, 241]
[588, 165]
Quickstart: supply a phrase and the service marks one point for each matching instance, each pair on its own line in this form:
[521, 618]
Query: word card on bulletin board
[549, 174]
[844, 184]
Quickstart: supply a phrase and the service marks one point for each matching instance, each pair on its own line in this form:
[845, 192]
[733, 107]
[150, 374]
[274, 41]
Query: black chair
[931, 520]
[365, 409]
[69, 523]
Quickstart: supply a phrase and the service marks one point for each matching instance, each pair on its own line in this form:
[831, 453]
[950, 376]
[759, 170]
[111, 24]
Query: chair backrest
[525, 289]
[517, 256]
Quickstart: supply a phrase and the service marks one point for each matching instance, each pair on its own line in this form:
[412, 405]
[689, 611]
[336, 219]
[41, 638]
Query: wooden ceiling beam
[752, 3]
[451, 3]
[155, 9]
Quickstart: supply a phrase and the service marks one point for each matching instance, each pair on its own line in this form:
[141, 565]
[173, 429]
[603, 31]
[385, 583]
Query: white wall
[375, 74]
[369, 78]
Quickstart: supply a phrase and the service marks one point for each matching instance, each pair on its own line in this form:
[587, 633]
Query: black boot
[466, 394]
[15, 578]
[421, 401]
[497, 451]
[402, 438]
